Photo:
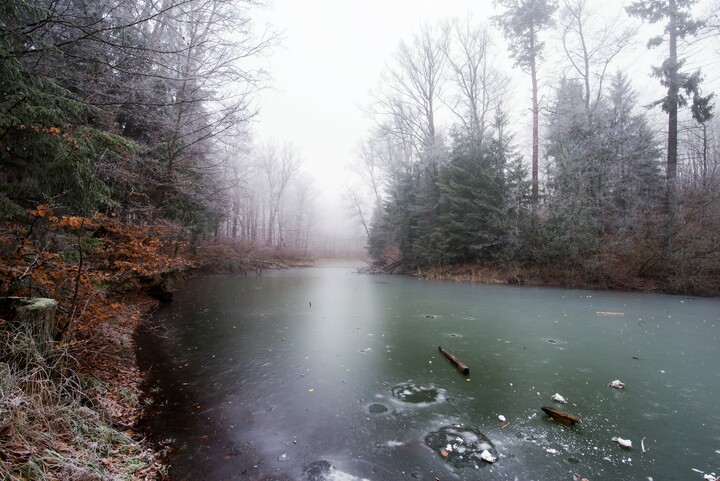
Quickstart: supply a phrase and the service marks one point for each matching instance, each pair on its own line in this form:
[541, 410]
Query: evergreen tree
[50, 149]
[522, 23]
[681, 86]
[632, 149]
[401, 216]
[601, 179]
[472, 205]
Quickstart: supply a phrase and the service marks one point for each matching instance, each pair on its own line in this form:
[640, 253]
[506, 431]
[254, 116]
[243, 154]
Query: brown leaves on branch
[82, 261]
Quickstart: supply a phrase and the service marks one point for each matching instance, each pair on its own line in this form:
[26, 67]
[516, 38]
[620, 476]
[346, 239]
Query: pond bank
[540, 276]
[72, 409]
[69, 409]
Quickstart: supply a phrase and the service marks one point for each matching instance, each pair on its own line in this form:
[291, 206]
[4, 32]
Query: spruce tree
[681, 86]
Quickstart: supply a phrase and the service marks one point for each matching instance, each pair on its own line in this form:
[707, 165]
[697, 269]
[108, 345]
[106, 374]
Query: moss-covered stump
[35, 314]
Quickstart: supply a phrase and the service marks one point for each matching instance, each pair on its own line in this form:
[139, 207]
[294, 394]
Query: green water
[280, 377]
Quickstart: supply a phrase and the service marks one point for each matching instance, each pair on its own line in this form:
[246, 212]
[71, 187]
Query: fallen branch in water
[462, 367]
[562, 416]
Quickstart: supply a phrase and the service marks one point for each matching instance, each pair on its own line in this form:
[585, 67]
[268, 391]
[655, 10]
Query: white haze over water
[334, 51]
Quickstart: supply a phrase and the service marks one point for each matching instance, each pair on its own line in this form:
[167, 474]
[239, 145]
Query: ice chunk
[488, 457]
[625, 443]
[557, 397]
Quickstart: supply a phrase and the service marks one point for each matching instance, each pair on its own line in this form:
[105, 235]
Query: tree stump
[36, 314]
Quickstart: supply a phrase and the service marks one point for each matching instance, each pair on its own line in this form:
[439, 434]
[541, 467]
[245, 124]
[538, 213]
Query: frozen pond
[322, 373]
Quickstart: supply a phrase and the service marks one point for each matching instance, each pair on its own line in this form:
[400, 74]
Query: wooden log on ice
[462, 367]
[562, 416]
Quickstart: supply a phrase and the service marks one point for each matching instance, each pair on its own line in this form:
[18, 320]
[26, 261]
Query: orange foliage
[83, 261]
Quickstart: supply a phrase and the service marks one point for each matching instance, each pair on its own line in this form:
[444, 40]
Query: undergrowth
[48, 428]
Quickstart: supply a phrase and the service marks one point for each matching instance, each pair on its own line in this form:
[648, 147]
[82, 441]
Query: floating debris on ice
[561, 416]
[617, 384]
[625, 443]
[557, 397]
[488, 457]
[462, 447]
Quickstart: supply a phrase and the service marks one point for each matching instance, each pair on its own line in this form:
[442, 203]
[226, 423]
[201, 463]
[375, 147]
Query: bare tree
[382, 162]
[371, 168]
[279, 165]
[300, 213]
[357, 207]
[212, 91]
[591, 41]
[169, 75]
[479, 83]
[412, 88]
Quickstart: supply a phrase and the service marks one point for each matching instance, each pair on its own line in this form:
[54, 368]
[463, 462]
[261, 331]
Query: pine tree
[473, 202]
[680, 86]
[522, 24]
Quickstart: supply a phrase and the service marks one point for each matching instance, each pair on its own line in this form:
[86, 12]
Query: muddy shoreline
[541, 276]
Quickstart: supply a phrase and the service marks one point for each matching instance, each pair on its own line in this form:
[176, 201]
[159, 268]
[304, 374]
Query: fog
[327, 74]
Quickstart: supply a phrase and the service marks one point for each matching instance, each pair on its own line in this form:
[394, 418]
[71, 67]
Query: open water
[326, 374]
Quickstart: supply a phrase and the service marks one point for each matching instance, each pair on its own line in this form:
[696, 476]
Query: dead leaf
[15, 454]
[7, 431]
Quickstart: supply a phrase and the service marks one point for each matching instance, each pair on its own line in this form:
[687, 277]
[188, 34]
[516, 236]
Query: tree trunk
[535, 136]
[35, 315]
[671, 170]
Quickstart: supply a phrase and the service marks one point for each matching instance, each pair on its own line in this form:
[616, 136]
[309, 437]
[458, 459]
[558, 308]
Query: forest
[127, 153]
[124, 146]
[610, 196]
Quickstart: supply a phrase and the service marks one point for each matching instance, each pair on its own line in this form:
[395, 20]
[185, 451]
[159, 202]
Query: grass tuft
[47, 429]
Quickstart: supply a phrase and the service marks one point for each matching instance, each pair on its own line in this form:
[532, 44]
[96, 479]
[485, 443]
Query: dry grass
[226, 255]
[49, 429]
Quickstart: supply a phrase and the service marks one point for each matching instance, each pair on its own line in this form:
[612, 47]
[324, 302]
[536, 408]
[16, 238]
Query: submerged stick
[562, 416]
[462, 367]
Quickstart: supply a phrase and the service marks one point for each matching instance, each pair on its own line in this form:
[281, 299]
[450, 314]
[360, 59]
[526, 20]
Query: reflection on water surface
[322, 373]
